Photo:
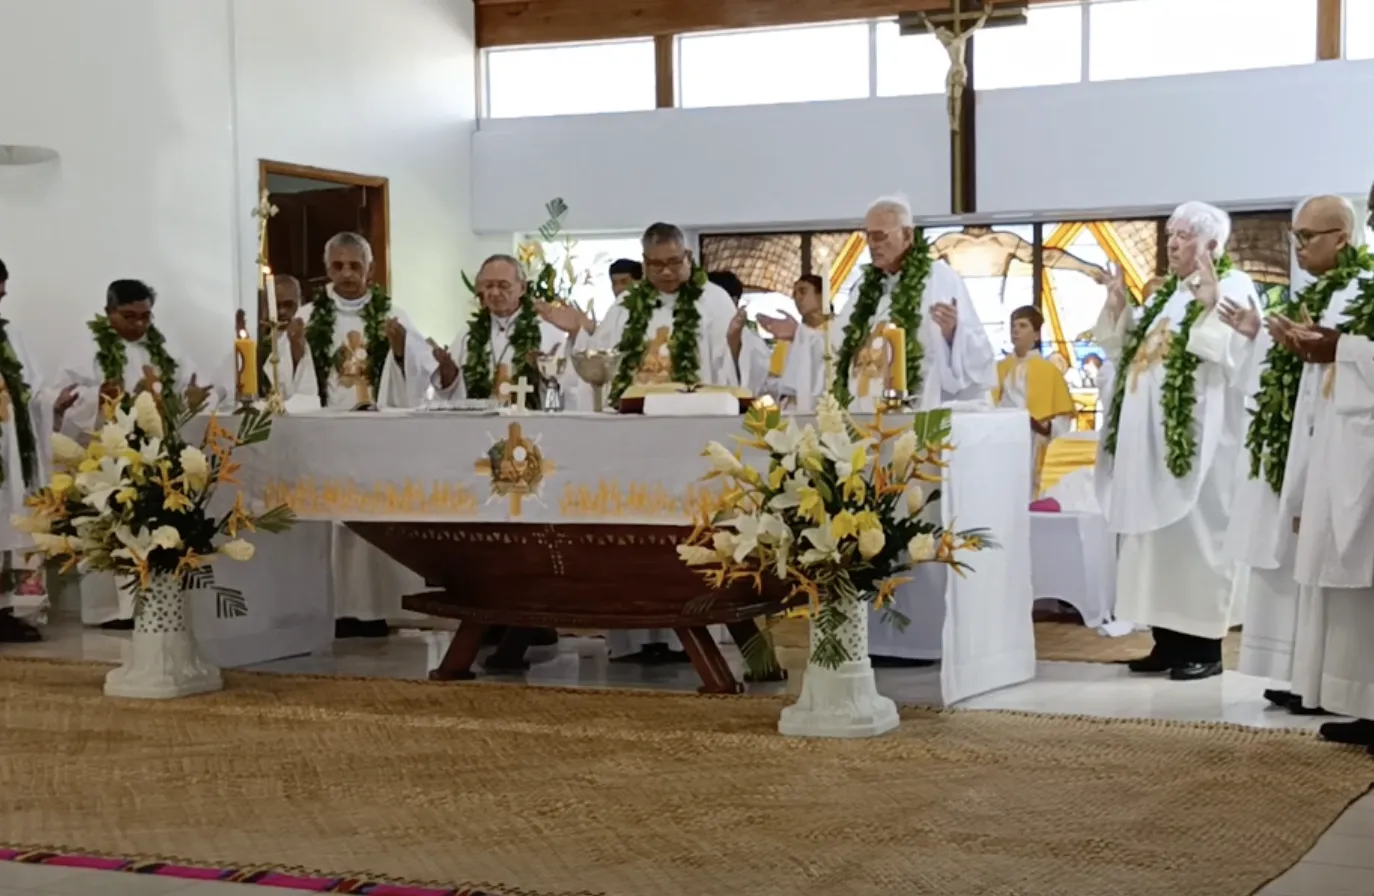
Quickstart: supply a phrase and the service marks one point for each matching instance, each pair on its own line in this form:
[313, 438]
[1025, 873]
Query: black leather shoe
[1150, 665]
[14, 630]
[118, 625]
[1195, 671]
[1282, 699]
[1358, 733]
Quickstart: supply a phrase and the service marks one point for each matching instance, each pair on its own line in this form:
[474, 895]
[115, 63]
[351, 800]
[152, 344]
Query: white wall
[747, 166]
[158, 168]
[1254, 137]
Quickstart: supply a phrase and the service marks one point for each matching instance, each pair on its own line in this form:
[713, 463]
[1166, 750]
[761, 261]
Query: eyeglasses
[1303, 237]
[665, 264]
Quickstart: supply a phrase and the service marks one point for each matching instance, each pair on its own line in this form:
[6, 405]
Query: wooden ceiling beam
[505, 23]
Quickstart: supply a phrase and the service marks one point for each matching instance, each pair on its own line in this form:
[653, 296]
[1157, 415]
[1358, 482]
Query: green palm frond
[933, 427]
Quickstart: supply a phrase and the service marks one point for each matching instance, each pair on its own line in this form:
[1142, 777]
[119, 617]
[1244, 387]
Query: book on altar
[676, 400]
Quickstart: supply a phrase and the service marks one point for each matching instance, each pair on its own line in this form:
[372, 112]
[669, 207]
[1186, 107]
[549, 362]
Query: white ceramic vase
[162, 660]
[841, 702]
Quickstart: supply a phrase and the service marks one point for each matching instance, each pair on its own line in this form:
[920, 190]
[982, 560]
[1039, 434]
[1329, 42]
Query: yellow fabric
[778, 361]
[1047, 393]
[1063, 456]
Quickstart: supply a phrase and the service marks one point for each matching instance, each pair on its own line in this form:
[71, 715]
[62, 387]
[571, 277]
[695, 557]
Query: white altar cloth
[1074, 560]
[586, 468]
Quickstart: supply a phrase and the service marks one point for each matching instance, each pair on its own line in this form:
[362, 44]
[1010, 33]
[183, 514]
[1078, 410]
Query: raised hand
[1117, 295]
[1244, 319]
[565, 316]
[448, 368]
[783, 328]
[947, 318]
[1204, 283]
[396, 336]
[196, 394]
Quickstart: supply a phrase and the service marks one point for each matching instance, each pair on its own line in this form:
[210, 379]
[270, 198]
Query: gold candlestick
[264, 212]
[276, 401]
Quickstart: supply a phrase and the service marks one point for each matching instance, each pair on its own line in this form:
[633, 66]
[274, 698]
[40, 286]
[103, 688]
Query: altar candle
[825, 296]
[271, 294]
[896, 338]
[246, 354]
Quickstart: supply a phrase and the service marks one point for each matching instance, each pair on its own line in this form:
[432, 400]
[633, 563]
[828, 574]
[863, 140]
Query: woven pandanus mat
[1073, 643]
[521, 790]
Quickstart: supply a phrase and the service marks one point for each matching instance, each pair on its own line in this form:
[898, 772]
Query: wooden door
[307, 220]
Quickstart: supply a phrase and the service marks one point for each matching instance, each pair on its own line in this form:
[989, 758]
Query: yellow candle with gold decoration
[246, 355]
[896, 341]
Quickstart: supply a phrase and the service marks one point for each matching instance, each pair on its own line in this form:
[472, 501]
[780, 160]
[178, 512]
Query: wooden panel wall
[504, 23]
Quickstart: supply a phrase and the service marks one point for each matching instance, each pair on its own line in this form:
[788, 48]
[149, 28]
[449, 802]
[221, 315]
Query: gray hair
[503, 258]
[662, 234]
[1349, 217]
[349, 240]
[1207, 222]
[286, 280]
[892, 205]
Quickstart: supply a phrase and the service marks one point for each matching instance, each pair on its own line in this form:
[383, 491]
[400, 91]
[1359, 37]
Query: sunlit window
[1359, 29]
[1048, 49]
[779, 65]
[573, 79]
[1150, 38]
[909, 66]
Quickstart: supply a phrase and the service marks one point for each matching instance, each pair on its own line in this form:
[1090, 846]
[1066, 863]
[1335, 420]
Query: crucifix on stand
[517, 393]
[954, 29]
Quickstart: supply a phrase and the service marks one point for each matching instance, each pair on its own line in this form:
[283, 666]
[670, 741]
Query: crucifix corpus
[952, 28]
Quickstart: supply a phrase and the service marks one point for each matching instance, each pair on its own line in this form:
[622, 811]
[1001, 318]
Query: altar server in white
[762, 363]
[1166, 468]
[948, 352]
[365, 354]
[669, 328]
[124, 352]
[26, 424]
[1333, 665]
[1328, 241]
[496, 348]
[293, 356]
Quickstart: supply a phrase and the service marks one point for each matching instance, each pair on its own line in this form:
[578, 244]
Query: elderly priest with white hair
[948, 354]
[364, 354]
[670, 327]
[1329, 245]
[1166, 467]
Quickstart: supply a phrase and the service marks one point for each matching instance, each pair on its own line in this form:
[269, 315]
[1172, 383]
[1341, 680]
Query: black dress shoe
[1358, 733]
[118, 625]
[899, 662]
[14, 630]
[1282, 699]
[1195, 671]
[349, 627]
[1154, 664]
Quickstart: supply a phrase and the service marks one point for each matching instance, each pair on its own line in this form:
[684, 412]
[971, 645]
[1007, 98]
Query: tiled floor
[1342, 863]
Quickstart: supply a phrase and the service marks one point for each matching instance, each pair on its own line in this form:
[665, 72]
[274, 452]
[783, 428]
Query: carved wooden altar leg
[716, 677]
[510, 655]
[742, 633]
[462, 650]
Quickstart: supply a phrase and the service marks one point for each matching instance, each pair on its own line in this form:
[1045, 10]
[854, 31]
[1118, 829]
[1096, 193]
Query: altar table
[606, 470]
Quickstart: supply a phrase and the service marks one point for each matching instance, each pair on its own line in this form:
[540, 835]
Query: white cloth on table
[1073, 559]
[967, 369]
[500, 353]
[1333, 666]
[105, 598]
[1173, 571]
[367, 584]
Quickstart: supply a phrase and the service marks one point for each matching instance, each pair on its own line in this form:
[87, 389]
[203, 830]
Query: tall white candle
[271, 294]
[825, 295]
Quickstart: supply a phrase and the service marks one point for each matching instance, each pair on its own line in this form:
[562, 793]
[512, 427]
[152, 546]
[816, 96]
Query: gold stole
[1047, 397]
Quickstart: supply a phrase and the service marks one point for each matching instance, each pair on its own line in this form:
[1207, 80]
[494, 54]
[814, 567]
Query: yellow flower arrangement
[829, 516]
[136, 500]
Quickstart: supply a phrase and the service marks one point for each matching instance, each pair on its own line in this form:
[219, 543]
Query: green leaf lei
[526, 338]
[319, 335]
[905, 312]
[12, 373]
[1271, 426]
[112, 356]
[1178, 395]
[641, 300]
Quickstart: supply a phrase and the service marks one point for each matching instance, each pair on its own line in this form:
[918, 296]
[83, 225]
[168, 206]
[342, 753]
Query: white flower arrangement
[135, 501]
[828, 517]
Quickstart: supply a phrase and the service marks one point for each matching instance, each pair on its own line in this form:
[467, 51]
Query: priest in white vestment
[1333, 665]
[923, 297]
[365, 354]
[1328, 242]
[26, 425]
[1166, 467]
[124, 352]
[494, 348]
[674, 307]
[763, 363]
[293, 356]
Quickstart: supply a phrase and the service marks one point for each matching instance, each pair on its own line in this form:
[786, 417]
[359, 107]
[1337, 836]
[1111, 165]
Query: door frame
[378, 188]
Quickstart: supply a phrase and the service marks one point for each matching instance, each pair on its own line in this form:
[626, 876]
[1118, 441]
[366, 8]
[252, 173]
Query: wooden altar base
[567, 576]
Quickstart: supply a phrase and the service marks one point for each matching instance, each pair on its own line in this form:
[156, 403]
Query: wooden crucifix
[954, 29]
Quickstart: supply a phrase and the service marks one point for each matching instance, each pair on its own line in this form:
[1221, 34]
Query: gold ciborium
[597, 368]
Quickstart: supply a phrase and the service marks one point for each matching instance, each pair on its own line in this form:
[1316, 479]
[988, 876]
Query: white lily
[696, 555]
[136, 547]
[166, 537]
[829, 415]
[837, 447]
[65, 450]
[791, 494]
[722, 459]
[723, 543]
[824, 548]
[151, 451]
[113, 438]
[785, 442]
[100, 484]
